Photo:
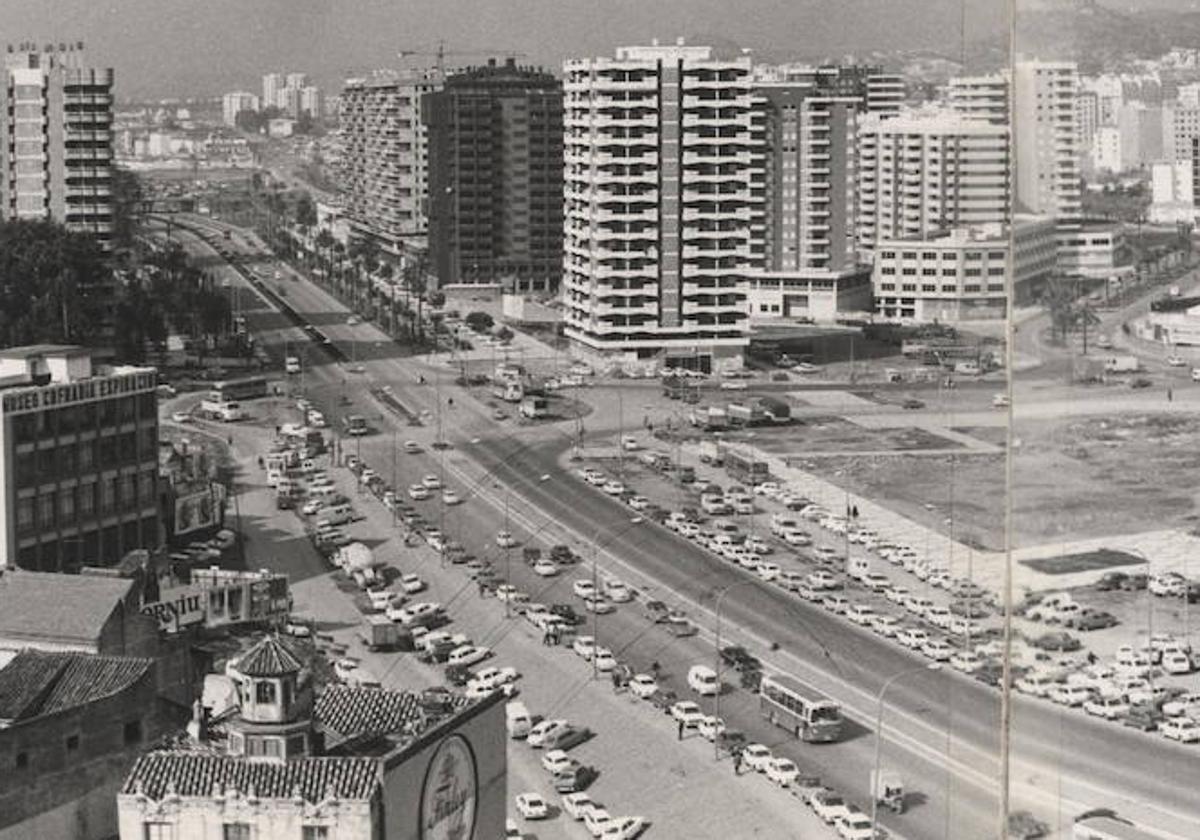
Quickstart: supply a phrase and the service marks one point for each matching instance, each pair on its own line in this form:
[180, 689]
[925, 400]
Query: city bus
[745, 469]
[234, 390]
[803, 711]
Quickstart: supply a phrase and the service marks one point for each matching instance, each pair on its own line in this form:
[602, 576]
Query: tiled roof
[67, 609]
[41, 683]
[191, 774]
[353, 712]
[269, 658]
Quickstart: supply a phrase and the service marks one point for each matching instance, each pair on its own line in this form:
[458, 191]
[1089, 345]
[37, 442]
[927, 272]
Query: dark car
[656, 611]
[970, 609]
[1063, 642]
[663, 699]
[438, 652]
[1093, 620]
[1143, 717]
[567, 613]
[1133, 583]
[458, 675]
[575, 778]
[679, 628]
[1140, 383]
[1110, 581]
[913, 404]
[731, 741]
[739, 658]
[562, 554]
[751, 679]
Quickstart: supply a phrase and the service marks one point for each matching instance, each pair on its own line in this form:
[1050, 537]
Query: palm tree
[1058, 299]
[325, 243]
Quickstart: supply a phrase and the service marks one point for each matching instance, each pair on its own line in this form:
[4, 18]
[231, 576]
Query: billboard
[199, 510]
[257, 598]
[179, 607]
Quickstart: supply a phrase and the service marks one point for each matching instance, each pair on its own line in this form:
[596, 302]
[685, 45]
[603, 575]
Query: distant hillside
[1093, 34]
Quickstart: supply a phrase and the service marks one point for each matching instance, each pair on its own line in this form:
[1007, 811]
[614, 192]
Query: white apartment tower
[928, 170]
[657, 149]
[1047, 140]
[272, 90]
[56, 138]
[234, 103]
[983, 97]
[384, 157]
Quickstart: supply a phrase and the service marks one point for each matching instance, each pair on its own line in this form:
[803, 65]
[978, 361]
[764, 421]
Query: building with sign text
[335, 763]
[78, 459]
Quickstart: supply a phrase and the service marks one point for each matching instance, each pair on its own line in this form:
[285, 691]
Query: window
[237, 831]
[72, 743]
[22, 760]
[315, 832]
[264, 692]
[158, 831]
[133, 732]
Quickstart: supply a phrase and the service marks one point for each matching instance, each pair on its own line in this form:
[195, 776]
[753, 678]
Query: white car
[767, 571]
[1176, 361]
[966, 661]
[490, 680]
[1107, 706]
[584, 646]
[507, 593]
[556, 761]
[596, 820]
[545, 568]
[577, 804]
[1182, 729]
[450, 497]
[431, 482]
[532, 806]
[584, 588]
[343, 668]
[617, 592]
[542, 729]
[756, 757]
[782, 771]
[642, 685]
[598, 604]
[468, 655]
[412, 584]
[1069, 695]
[418, 492]
[939, 650]
[757, 544]
[622, 828]
[613, 487]
[603, 660]
[829, 805]
[886, 625]
[505, 540]
[854, 825]
[181, 417]
[311, 507]
[1183, 704]
[688, 713]
[912, 637]
[710, 727]
[861, 614]
[594, 477]
[639, 502]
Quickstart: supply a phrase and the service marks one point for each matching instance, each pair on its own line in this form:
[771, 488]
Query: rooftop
[356, 712]
[269, 658]
[37, 683]
[31, 350]
[57, 608]
[312, 779]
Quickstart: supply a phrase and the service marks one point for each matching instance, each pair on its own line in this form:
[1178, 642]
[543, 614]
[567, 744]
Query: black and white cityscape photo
[599, 419]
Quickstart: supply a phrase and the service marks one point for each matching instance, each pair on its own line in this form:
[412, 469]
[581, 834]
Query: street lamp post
[876, 772]
[717, 700]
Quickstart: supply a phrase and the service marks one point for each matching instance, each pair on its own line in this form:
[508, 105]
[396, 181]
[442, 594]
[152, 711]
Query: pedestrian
[654, 667]
[482, 589]
[680, 730]
[616, 681]
[854, 512]
[1170, 395]
[737, 763]
[546, 639]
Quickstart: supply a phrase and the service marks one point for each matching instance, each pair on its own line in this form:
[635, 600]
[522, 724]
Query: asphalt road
[1063, 755]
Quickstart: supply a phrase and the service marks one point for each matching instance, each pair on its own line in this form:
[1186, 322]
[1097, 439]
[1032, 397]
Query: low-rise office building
[78, 459]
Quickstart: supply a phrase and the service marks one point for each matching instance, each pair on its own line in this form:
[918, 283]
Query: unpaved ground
[833, 434]
[1073, 479]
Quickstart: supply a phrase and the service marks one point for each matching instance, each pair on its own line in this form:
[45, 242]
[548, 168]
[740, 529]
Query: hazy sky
[177, 47]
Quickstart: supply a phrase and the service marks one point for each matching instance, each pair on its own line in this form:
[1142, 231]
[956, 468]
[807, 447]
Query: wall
[204, 818]
[71, 795]
[405, 774]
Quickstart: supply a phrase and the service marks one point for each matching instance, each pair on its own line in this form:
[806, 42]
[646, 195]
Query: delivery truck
[381, 633]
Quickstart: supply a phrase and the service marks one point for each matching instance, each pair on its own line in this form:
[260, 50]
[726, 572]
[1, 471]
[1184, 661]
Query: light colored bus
[805, 712]
[235, 390]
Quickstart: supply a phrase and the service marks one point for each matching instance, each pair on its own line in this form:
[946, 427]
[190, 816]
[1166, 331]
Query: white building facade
[657, 149]
[234, 103]
[1047, 152]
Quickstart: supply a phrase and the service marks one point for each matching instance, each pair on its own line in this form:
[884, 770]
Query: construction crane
[441, 52]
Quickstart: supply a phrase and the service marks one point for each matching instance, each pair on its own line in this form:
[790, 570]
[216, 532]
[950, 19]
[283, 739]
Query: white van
[517, 719]
[703, 680]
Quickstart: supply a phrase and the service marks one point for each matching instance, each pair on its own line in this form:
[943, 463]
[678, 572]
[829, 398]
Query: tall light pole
[717, 701]
[633, 523]
[876, 772]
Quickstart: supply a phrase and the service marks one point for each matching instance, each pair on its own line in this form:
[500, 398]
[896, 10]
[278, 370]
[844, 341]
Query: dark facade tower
[495, 137]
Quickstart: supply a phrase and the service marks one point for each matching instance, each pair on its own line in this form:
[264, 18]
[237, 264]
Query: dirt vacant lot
[833, 434]
[1073, 479]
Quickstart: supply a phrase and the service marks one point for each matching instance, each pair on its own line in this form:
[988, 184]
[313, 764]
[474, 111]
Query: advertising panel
[179, 607]
[199, 510]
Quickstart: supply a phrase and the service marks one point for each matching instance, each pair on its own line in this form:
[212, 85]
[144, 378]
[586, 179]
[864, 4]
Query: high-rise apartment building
[234, 103]
[272, 88]
[495, 137]
[78, 459]
[927, 170]
[804, 182]
[658, 206]
[384, 152]
[311, 102]
[1047, 151]
[982, 97]
[296, 80]
[56, 139]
